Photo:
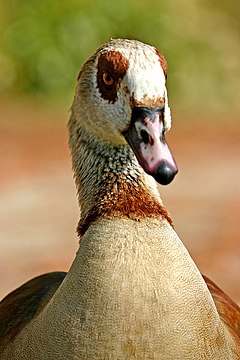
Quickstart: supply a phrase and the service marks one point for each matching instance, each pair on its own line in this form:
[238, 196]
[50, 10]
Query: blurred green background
[44, 43]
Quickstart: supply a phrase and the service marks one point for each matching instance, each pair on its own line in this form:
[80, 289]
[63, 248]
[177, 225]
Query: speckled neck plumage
[110, 182]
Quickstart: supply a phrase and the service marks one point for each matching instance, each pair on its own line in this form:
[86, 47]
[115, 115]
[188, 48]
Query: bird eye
[107, 79]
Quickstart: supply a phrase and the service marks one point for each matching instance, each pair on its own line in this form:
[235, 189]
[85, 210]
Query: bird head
[121, 97]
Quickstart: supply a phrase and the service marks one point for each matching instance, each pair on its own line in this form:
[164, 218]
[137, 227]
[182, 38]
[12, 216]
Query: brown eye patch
[111, 68]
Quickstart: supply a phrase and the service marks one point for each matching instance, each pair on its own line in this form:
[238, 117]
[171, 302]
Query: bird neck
[110, 183]
[136, 267]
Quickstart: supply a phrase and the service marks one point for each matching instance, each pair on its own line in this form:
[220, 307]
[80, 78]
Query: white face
[121, 98]
[145, 77]
[122, 74]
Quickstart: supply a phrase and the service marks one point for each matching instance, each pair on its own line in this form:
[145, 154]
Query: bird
[133, 291]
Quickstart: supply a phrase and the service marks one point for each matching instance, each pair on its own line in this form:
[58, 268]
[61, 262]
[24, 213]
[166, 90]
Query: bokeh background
[42, 47]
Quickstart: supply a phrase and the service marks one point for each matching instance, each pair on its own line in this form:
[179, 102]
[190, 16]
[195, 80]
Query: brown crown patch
[162, 61]
[113, 64]
[146, 101]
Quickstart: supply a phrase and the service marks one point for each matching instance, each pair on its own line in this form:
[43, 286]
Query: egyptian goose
[133, 291]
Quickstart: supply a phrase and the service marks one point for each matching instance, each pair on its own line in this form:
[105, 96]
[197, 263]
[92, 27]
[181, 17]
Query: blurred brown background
[42, 47]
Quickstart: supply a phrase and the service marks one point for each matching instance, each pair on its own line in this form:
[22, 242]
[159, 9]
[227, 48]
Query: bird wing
[19, 307]
[227, 309]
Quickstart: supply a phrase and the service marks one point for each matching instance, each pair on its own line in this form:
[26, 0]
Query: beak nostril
[145, 136]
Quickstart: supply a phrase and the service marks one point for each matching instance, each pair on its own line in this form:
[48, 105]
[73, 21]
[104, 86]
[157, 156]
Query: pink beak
[147, 140]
